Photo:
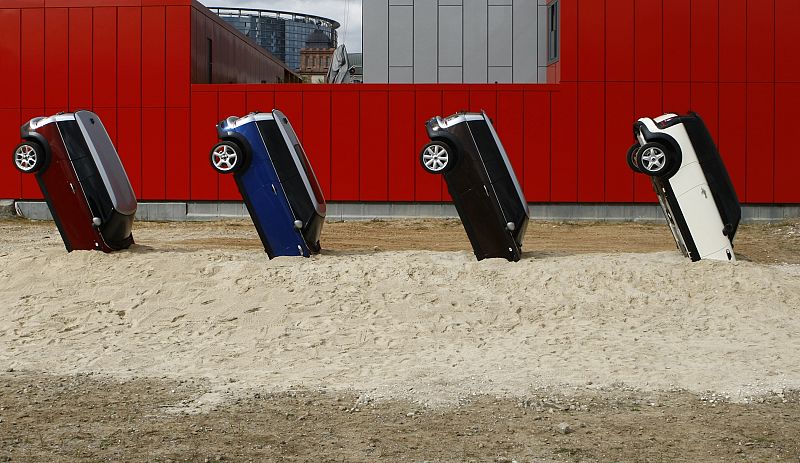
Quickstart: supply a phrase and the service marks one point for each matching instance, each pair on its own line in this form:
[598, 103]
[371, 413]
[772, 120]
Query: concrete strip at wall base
[208, 211]
[7, 209]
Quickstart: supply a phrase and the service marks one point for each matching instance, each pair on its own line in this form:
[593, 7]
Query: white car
[691, 182]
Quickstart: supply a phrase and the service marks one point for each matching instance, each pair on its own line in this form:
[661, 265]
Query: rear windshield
[312, 178]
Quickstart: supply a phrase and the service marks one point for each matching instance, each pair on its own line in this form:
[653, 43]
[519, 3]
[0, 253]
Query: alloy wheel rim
[435, 158]
[25, 157]
[653, 159]
[225, 158]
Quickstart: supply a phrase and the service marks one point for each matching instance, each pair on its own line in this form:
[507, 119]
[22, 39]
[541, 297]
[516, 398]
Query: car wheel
[28, 157]
[437, 157]
[631, 158]
[653, 159]
[226, 157]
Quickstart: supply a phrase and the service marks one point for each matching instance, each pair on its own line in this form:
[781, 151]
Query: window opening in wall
[210, 61]
[553, 45]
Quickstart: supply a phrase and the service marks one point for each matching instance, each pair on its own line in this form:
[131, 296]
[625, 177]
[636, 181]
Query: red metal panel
[567, 67]
[203, 180]
[317, 141]
[10, 49]
[677, 18]
[291, 104]
[480, 100]
[676, 97]
[129, 57]
[264, 101]
[104, 62]
[154, 57]
[177, 153]
[761, 41]
[510, 118]
[403, 155]
[705, 102]
[733, 41]
[591, 35]
[32, 95]
[374, 170]
[427, 187]
[10, 182]
[129, 145]
[619, 40]
[564, 159]
[80, 58]
[344, 145]
[619, 120]
[705, 40]
[732, 141]
[647, 103]
[648, 52]
[30, 187]
[760, 142]
[56, 59]
[591, 149]
[178, 56]
[787, 100]
[454, 101]
[154, 180]
[787, 38]
[230, 104]
[536, 131]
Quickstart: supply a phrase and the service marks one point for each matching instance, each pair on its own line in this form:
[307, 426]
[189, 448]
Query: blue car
[275, 179]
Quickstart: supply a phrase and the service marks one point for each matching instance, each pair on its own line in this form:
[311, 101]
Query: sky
[349, 32]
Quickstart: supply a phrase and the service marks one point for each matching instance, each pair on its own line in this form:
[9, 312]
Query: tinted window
[312, 179]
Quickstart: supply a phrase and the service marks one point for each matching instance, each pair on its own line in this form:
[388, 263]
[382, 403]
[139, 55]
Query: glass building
[282, 33]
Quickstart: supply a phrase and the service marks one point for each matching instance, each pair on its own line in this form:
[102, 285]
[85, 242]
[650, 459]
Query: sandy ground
[397, 316]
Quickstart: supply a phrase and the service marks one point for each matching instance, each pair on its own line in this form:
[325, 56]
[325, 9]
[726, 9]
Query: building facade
[454, 41]
[282, 33]
[315, 58]
[734, 62]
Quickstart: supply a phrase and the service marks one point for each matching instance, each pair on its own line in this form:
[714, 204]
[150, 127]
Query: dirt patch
[81, 418]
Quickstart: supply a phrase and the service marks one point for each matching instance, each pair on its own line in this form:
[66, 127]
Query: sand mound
[427, 325]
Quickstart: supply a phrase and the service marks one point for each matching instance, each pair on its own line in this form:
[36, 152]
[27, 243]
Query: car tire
[437, 157]
[631, 158]
[227, 157]
[28, 157]
[653, 159]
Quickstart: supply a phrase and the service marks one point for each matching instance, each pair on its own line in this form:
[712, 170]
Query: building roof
[319, 39]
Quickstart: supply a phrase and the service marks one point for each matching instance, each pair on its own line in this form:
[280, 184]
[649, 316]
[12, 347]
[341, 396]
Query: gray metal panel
[542, 35]
[425, 41]
[451, 46]
[450, 75]
[526, 42]
[501, 75]
[401, 35]
[450, 2]
[475, 45]
[375, 14]
[505, 2]
[401, 75]
[400, 2]
[500, 36]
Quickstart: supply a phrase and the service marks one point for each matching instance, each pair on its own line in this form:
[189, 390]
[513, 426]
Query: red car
[82, 179]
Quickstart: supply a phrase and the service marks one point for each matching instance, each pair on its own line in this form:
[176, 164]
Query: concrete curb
[7, 208]
[209, 211]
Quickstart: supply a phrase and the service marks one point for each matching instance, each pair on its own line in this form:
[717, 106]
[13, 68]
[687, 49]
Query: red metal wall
[735, 62]
[363, 140]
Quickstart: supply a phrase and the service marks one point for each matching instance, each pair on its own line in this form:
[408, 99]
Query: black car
[465, 149]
